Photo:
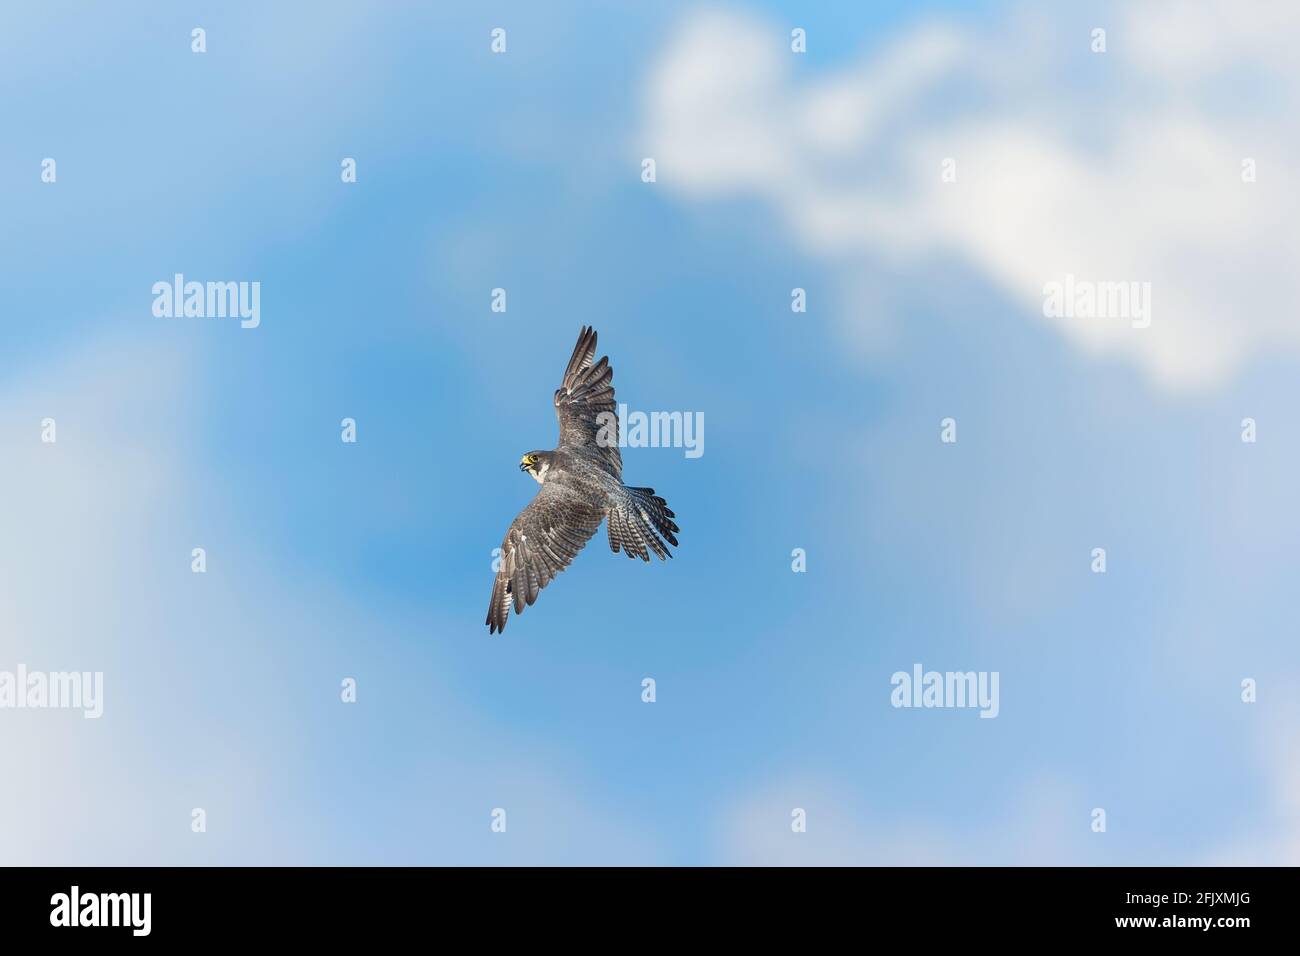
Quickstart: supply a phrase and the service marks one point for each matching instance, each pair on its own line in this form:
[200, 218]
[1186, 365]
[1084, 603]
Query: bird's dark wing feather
[584, 404]
[541, 542]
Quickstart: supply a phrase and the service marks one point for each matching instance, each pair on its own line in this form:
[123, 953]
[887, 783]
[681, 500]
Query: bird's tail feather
[641, 522]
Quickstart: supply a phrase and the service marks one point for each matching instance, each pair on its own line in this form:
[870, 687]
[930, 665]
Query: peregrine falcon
[581, 485]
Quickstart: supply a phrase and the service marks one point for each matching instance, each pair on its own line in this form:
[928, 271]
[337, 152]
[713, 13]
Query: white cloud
[1122, 166]
[220, 690]
[1273, 837]
[1046, 824]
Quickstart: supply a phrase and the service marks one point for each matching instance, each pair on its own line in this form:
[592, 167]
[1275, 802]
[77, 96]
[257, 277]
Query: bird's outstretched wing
[584, 404]
[541, 542]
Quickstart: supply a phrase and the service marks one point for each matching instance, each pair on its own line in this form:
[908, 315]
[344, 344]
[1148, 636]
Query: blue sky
[373, 561]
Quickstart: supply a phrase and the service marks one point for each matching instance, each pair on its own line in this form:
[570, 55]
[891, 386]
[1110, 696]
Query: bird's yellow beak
[524, 463]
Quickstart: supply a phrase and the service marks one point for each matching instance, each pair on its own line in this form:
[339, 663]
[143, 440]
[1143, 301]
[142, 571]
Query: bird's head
[536, 463]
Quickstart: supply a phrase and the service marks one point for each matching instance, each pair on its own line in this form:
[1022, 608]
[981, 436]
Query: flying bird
[581, 485]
